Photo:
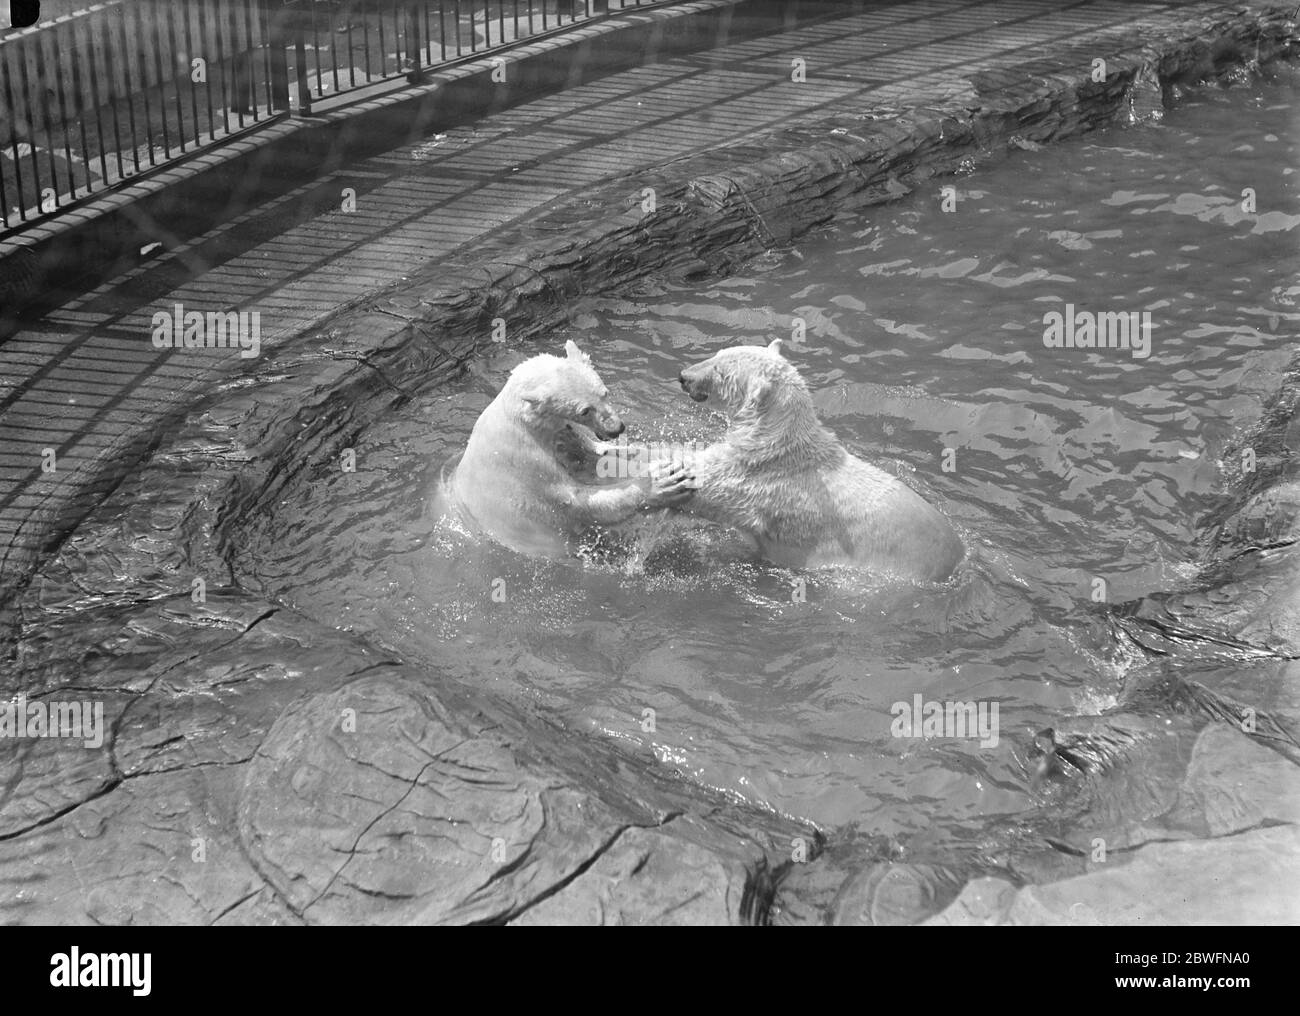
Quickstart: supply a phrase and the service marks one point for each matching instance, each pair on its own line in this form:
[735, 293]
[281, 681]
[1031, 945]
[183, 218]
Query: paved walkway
[86, 382]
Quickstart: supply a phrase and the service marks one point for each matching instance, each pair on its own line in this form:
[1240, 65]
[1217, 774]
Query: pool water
[1071, 473]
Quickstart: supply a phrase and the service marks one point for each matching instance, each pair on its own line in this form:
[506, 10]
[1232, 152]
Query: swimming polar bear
[526, 477]
[783, 479]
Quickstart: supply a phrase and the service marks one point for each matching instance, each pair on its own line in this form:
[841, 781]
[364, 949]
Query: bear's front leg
[669, 485]
[624, 459]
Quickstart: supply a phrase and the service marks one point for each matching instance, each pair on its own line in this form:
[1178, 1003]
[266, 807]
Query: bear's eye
[586, 412]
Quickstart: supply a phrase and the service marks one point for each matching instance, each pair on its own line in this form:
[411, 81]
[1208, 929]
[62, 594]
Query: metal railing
[97, 99]
[378, 42]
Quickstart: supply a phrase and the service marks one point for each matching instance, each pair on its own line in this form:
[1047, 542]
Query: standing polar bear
[785, 480]
[527, 476]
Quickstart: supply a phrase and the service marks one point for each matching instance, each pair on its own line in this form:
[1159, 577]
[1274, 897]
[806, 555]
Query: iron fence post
[300, 62]
[279, 52]
[413, 42]
[243, 100]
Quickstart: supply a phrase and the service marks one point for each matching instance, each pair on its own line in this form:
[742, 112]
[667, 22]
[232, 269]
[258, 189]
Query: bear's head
[768, 405]
[554, 392]
[746, 380]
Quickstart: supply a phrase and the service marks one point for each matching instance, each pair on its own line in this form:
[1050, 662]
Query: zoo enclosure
[99, 98]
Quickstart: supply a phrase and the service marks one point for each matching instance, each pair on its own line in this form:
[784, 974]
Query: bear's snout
[609, 427]
[692, 386]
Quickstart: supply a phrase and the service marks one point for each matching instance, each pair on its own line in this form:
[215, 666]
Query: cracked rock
[650, 877]
[371, 804]
[1225, 881]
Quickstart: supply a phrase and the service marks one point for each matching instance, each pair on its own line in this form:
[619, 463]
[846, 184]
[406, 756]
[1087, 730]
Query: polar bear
[527, 477]
[786, 481]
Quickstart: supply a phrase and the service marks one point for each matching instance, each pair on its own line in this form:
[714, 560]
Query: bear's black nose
[681, 380]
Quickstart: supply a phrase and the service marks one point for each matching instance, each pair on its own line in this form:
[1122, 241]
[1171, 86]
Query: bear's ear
[572, 351]
[531, 407]
[775, 346]
[760, 390]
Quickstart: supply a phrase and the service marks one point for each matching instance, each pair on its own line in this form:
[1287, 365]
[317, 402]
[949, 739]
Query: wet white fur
[510, 482]
[781, 477]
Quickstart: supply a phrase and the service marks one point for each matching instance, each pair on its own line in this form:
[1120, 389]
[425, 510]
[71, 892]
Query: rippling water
[924, 332]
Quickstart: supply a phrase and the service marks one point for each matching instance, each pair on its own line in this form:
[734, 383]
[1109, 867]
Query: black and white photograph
[680, 463]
